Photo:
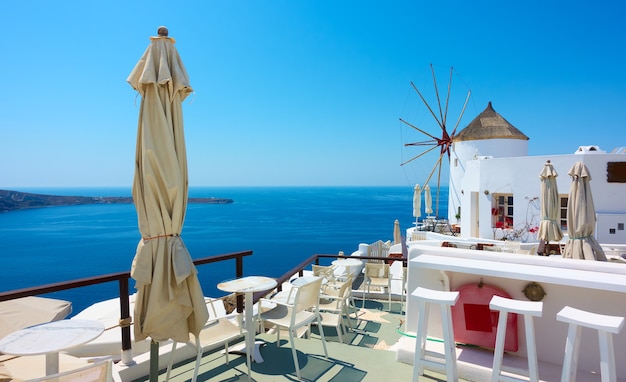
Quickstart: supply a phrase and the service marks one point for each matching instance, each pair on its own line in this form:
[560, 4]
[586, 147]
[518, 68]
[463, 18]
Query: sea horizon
[282, 225]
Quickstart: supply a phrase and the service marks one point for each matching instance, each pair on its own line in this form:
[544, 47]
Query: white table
[299, 281]
[349, 265]
[248, 285]
[50, 338]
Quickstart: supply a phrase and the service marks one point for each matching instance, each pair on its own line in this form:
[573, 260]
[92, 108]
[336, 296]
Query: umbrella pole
[154, 361]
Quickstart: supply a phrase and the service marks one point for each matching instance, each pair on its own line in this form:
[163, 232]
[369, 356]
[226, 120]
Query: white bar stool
[606, 327]
[447, 361]
[529, 309]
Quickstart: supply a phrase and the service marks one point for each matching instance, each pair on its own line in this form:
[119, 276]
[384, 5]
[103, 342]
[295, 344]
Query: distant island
[15, 200]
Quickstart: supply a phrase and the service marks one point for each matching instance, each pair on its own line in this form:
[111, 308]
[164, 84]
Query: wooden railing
[123, 277]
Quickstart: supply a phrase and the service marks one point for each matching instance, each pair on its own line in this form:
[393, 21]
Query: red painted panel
[474, 323]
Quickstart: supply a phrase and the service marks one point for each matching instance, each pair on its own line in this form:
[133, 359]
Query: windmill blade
[462, 112]
[422, 143]
[427, 105]
[417, 156]
[438, 187]
[441, 115]
[417, 128]
[433, 170]
[445, 115]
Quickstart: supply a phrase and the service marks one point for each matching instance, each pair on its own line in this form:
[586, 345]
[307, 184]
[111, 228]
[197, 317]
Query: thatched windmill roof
[489, 125]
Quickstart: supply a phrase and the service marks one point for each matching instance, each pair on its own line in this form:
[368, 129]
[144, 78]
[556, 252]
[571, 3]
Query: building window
[563, 213]
[616, 172]
[502, 211]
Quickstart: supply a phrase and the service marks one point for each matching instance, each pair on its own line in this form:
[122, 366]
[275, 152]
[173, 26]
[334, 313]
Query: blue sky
[301, 92]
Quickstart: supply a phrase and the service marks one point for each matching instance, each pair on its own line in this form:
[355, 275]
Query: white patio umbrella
[581, 218]
[170, 302]
[417, 202]
[428, 200]
[549, 226]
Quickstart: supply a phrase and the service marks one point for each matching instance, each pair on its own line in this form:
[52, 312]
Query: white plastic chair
[333, 306]
[95, 372]
[324, 271]
[298, 315]
[377, 275]
[217, 330]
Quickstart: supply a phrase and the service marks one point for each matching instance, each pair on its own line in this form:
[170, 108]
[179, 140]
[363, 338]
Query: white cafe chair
[300, 314]
[217, 331]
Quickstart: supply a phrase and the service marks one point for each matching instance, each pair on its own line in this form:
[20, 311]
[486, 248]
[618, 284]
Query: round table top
[248, 284]
[347, 262]
[299, 281]
[50, 337]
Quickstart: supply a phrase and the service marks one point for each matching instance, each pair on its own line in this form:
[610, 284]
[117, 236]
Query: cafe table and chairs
[248, 286]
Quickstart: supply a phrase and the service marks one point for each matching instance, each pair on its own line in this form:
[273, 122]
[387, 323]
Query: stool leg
[607, 357]
[448, 339]
[420, 340]
[531, 350]
[572, 345]
[498, 353]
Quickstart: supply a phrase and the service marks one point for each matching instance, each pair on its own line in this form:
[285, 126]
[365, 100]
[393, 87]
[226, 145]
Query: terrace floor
[367, 354]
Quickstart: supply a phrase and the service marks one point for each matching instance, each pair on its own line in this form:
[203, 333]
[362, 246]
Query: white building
[495, 185]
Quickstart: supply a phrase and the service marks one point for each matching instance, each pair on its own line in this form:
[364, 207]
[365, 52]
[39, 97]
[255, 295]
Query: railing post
[238, 274]
[125, 322]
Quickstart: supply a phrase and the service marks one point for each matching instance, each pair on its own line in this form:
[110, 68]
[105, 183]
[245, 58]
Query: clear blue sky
[301, 92]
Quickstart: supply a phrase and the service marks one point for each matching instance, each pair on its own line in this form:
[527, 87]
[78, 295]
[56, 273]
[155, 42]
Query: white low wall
[598, 287]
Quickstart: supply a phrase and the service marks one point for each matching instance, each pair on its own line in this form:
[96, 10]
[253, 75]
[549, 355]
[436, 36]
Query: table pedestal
[249, 285]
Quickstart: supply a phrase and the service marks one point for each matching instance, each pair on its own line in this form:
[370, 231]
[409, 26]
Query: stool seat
[611, 324]
[533, 308]
[436, 296]
[605, 325]
[528, 309]
[447, 361]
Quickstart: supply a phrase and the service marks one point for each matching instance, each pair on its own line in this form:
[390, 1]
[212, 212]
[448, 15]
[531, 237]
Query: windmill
[441, 141]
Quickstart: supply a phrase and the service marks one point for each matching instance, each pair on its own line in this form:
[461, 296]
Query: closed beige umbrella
[581, 218]
[417, 202]
[428, 200]
[170, 303]
[397, 235]
[549, 226]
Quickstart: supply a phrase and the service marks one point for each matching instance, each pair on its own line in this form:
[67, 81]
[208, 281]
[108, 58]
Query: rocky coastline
[15, 200]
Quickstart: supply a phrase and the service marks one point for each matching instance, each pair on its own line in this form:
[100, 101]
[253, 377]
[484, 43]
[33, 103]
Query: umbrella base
[547, 249]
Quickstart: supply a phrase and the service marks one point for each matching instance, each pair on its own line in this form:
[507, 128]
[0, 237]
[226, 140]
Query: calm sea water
[281, 225]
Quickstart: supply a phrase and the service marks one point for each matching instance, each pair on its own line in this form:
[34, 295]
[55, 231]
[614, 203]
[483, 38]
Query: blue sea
[281, 225]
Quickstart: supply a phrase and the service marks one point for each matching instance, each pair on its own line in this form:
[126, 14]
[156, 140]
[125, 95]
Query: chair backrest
[377, 270]
[344, 290]
[215, 307]
[307, 296]
[324, 271]
[95, 372]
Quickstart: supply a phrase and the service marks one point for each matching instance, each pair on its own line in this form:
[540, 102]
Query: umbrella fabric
[428, 200]
[397, 236]
[417, 202]
[23, 312]
[581, 217]
[549, 227]
[170, 302]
